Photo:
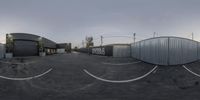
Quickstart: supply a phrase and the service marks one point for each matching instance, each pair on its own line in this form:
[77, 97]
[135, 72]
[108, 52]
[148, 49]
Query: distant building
[64, 47]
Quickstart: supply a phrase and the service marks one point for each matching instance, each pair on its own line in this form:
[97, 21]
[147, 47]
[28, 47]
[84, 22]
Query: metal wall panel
[154, 51]
[48, 43]
[147, 51]
[135, 50]
[24, 36]
[199, 50]
[30, 37]
[175, 51]
[190, 50]
[2, 50]
[182, 51]
[102, 50]
[166, 50]
[161, 51]
[25, 48]
[121, 51]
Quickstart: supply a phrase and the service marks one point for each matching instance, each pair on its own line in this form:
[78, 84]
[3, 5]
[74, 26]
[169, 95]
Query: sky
[73, 20]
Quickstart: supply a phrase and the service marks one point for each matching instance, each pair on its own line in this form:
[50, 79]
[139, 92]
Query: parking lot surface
[68, 81]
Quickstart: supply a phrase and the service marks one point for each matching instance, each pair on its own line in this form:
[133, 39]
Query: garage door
[25, 48]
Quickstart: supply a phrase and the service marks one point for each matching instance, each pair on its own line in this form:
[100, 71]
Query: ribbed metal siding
[25, 48]
[121, 51]
[190, 50]
[25, 36]
[175, 51]
[198, 50]
[2, 51]
[30, 37]
[155, 51]
[166, 50]
[135, 50]
[182, 51]
[162, 51]
[146, 51]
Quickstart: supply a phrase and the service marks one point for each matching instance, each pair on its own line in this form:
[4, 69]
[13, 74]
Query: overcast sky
[72, 20]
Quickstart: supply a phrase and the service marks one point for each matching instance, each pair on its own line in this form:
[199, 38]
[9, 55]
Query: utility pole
[101, 40]
[134, 38]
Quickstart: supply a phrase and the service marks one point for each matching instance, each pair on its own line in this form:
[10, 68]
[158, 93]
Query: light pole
[101, 40]
[134, 34]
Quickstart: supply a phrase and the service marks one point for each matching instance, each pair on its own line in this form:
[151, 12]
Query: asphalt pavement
[68, 81]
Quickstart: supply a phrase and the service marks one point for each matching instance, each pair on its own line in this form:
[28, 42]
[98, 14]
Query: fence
[166, 50]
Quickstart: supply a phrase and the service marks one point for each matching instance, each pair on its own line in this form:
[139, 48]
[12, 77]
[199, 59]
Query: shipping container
[102, 50]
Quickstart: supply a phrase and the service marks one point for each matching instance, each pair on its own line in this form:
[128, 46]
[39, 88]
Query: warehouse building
[23, 44]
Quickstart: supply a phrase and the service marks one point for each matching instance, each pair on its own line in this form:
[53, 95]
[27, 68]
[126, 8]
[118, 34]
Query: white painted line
[120, 64]
[121, 81]
[191, 71]
[28, 78]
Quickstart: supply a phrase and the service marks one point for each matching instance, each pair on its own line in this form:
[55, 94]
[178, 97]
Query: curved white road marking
[191, 71]
[121, 81]
[120, 64]
[28, 78]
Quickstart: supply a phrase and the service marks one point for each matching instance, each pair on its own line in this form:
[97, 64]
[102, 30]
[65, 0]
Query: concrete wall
[2, 51]
[166, 50]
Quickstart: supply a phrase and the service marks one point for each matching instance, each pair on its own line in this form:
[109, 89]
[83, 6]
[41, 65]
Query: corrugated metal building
[166, 50]
[28, 44]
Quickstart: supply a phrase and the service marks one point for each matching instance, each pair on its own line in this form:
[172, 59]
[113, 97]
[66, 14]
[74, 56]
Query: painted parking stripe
[121, 81]
[28, 78]
[191, 71]
[120, 64]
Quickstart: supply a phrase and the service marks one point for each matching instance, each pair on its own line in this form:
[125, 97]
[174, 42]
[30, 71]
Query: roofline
[34, 35]
[168, 37]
